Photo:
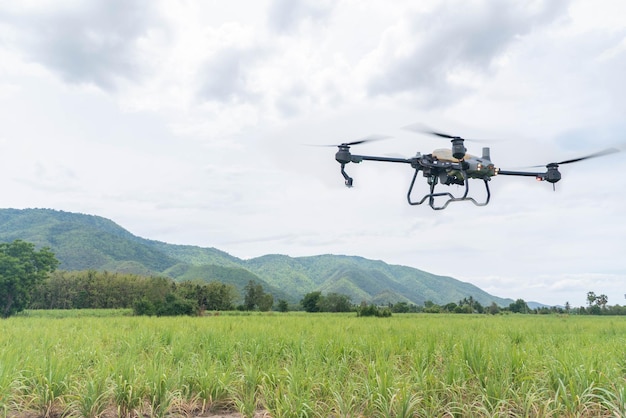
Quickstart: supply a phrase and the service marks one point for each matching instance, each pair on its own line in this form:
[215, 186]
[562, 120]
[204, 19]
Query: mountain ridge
[91, 242]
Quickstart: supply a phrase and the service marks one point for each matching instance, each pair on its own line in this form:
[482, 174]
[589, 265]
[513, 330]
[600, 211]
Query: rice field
[313, 365]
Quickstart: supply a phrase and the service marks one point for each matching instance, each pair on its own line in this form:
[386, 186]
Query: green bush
[175, 305]
[373, 310]
[144, 306]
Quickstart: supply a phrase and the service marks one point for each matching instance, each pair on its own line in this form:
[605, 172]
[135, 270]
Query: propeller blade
[423, 129]
[594, 155]
[443, 135]
[369, 138]
[602, 153]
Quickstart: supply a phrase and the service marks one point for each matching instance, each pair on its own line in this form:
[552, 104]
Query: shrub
[373, 310]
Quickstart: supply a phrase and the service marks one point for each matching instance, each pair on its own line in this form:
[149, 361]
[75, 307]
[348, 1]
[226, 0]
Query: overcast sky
[190, 122]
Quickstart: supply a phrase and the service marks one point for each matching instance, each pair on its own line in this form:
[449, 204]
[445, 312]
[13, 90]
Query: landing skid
[433, 181]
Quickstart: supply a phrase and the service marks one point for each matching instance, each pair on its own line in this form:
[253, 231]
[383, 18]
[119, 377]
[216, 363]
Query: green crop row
[315, 365]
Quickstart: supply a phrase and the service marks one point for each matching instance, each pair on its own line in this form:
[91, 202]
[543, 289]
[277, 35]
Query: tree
[213, 296]
[334, 302]
[175, 305]
[144, 306]
[22, 268]
[493, 309]
[478, 307]
[219, 296]
[266, 301]
[519, 306]
[594, 310]
[253, 294]
[256, 297]
[450, 307]
[400, 307]
[463, 309]
[283, 306]
[310, 302]
[372, 310]
[591, 298]
[431, 307]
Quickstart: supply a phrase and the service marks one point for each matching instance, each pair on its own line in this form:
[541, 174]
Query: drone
[452, 166]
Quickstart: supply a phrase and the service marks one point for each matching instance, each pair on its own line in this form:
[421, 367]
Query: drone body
[477, 167]
[451, 166]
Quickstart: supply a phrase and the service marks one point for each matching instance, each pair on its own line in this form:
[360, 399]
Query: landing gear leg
[346, 176]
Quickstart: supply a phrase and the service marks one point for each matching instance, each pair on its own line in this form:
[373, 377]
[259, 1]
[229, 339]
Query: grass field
[94, 363]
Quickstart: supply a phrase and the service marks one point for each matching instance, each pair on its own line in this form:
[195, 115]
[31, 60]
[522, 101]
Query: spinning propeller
[553, 175]
[369, 138]
[602, 153]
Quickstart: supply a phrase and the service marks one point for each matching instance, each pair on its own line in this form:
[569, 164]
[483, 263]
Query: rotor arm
[520, 173]
[344, 157]
[553, 174]
[359, 158]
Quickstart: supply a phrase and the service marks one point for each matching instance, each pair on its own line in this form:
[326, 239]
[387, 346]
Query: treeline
[466, 305]
[163, 296]
[146, 295]
[597, 306]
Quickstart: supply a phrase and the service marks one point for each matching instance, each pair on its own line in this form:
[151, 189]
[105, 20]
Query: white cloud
[442, 54]
[187, 122]
[91, 43]
[286, 16]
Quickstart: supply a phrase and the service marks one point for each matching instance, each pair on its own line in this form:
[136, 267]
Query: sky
[197, 123]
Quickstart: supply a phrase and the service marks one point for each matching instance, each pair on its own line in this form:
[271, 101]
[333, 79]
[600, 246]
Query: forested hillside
[87, 242]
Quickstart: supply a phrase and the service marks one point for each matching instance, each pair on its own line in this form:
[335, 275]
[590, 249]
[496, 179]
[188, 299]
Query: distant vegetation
[163, 296]
[22, 268]
[147, 295]
[104, 266]
[91, 243]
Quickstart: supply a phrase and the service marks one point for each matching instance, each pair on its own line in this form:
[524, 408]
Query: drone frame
[452, 167]
[432, 168]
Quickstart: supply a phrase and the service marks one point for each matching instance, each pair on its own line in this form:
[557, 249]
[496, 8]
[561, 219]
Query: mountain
[82, 242]
[364, 279]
